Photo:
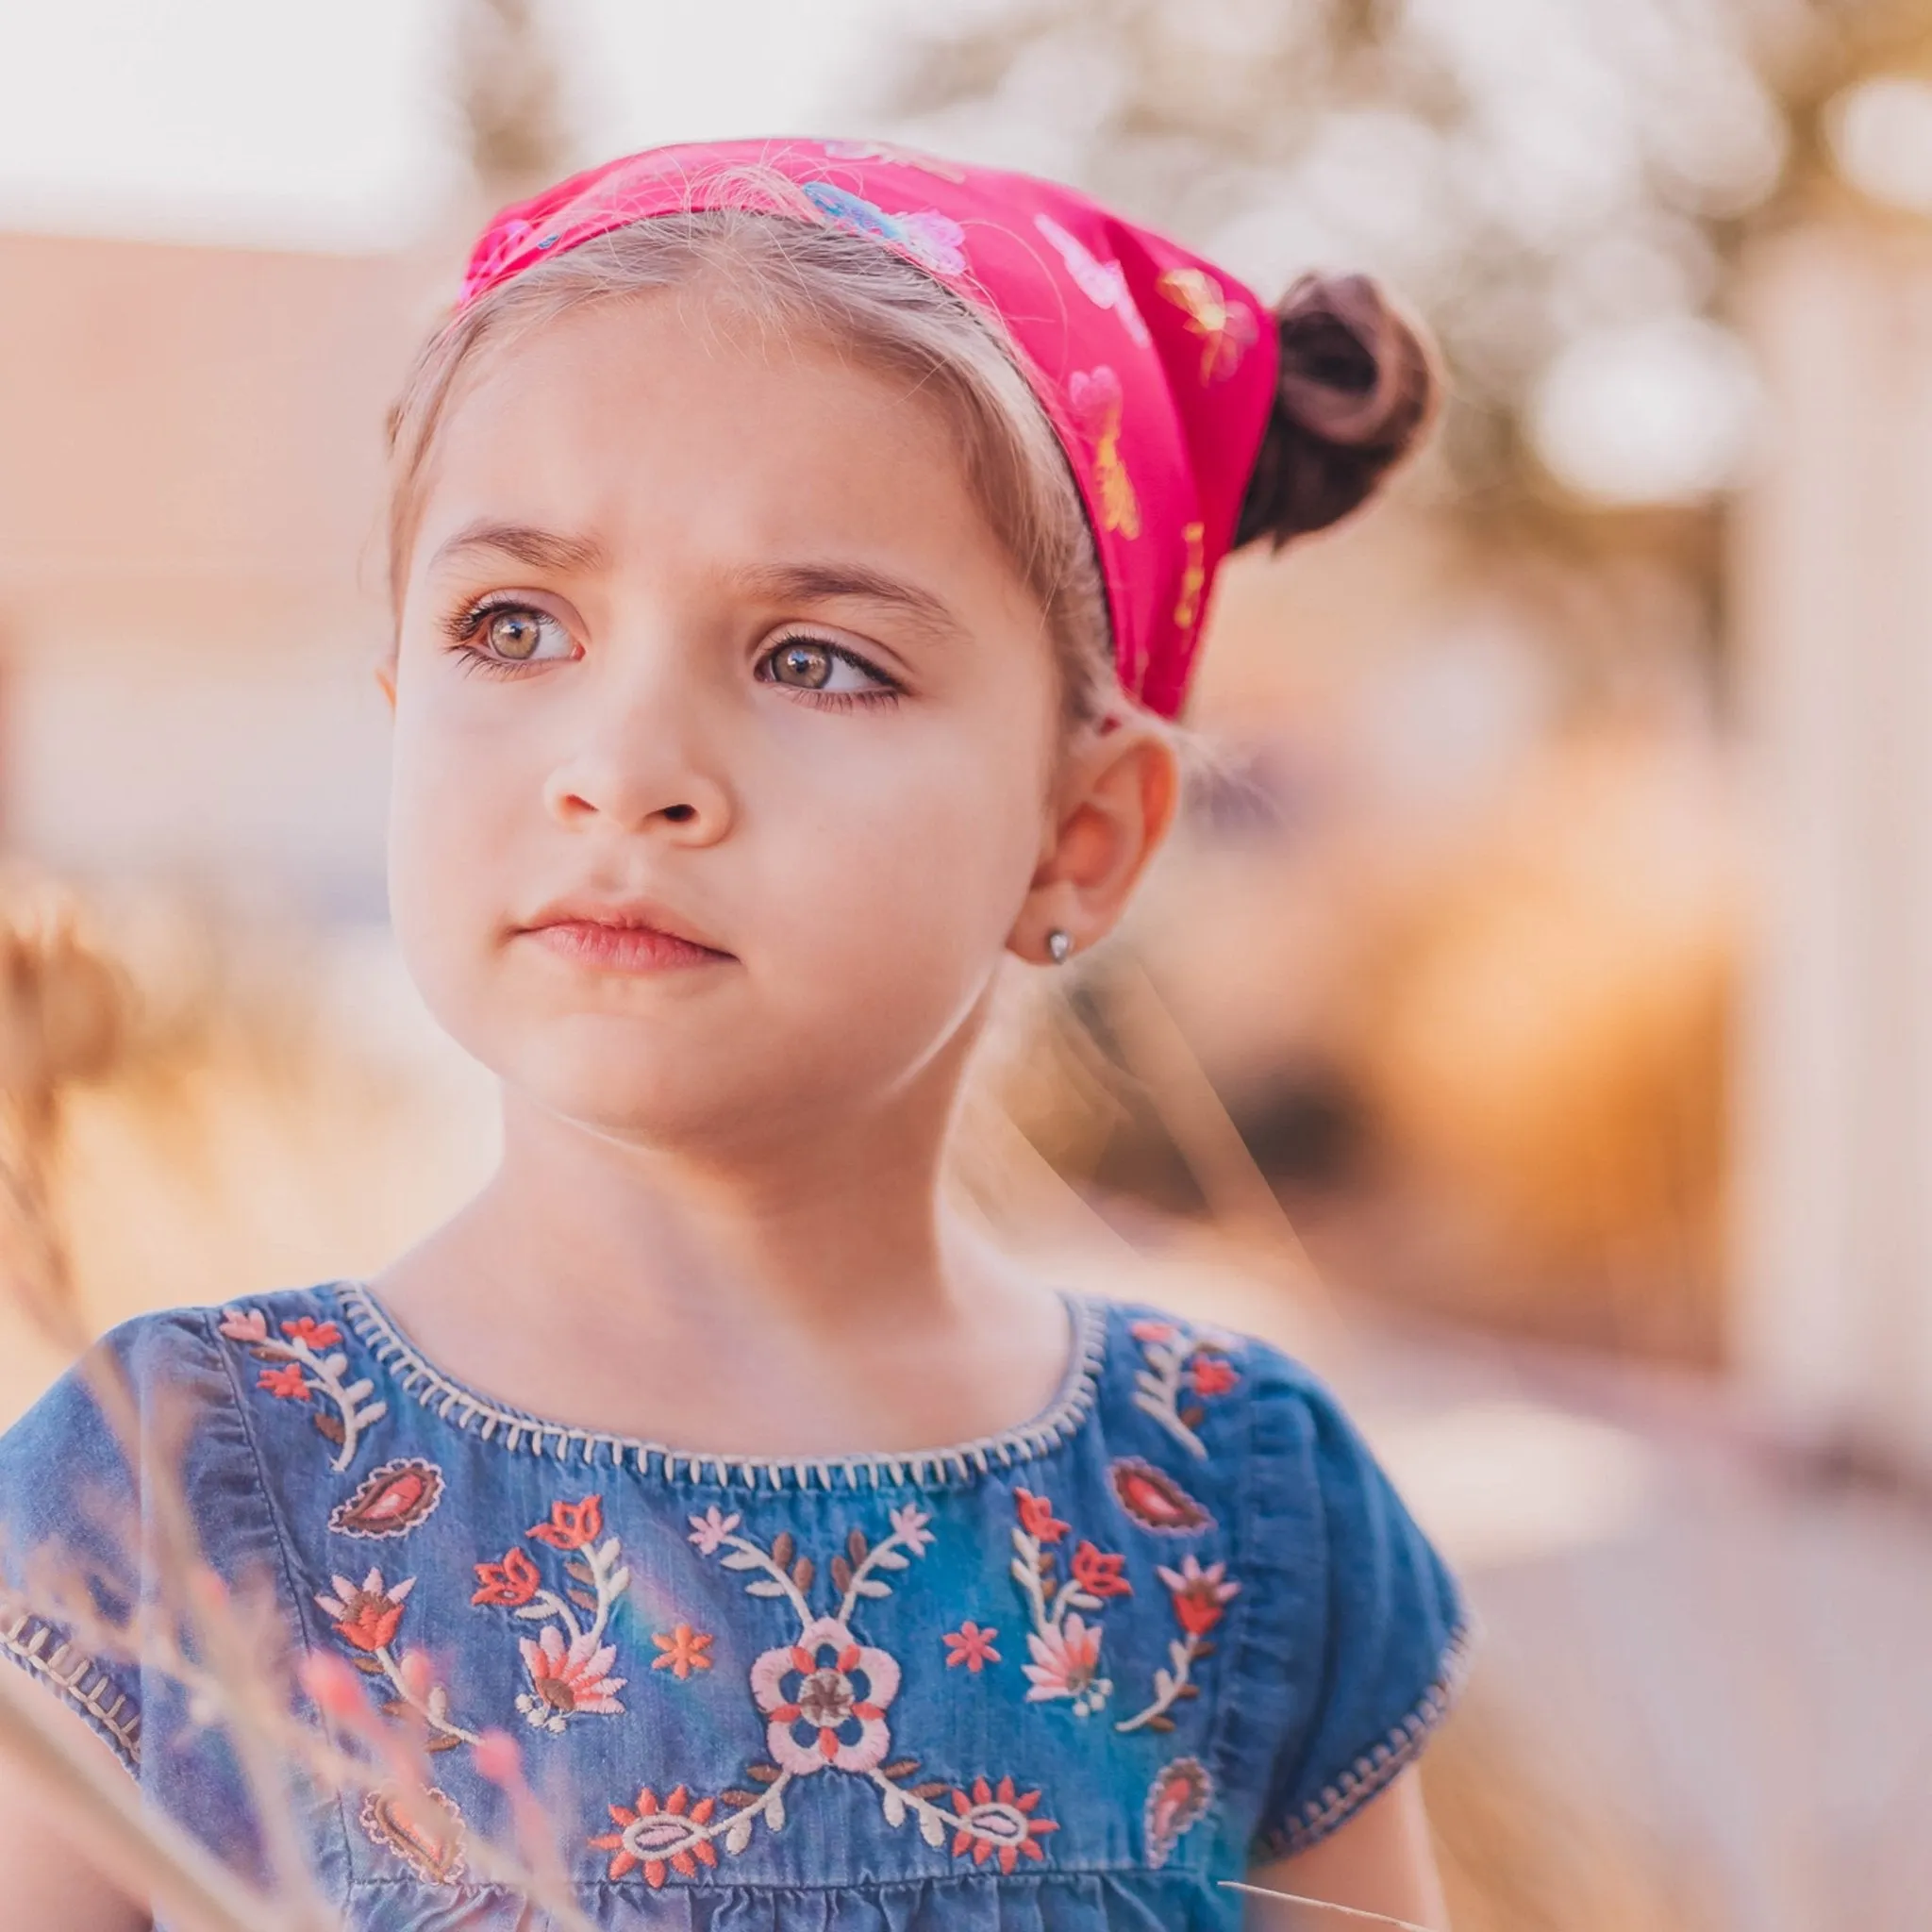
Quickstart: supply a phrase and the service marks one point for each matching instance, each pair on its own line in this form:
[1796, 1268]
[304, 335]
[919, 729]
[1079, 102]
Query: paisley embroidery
[301, 1370]
[1155, 1500]
[434, 1854]
[1097, 400]
[1103, 283]
[1176, 1800]
[936, 241]
[1225, 328]
[1186, 1368]
[1064, 1646]
[1199, 1597]
[1186, 606]
[391, 1500]
[825, 1698]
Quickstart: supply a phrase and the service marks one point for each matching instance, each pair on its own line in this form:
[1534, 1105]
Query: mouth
[630, 939]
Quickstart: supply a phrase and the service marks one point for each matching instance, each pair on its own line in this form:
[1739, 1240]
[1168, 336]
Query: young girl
[797, 550]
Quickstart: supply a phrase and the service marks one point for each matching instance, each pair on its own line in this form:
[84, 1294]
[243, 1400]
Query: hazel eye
[518, 634]
[810, 664]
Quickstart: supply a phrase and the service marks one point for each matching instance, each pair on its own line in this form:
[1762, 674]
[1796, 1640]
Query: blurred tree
[508, 88]
[1561, 186]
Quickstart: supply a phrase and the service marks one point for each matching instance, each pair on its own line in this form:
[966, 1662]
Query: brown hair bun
[1357, 389]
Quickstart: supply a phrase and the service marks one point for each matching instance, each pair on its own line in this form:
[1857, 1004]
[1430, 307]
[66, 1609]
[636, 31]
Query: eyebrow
[545, 550]
[828, 582]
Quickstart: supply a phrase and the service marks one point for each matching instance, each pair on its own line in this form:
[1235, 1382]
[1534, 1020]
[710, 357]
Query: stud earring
[1059, 946]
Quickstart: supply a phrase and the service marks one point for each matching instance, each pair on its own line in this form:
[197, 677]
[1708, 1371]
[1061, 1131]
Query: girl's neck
[690, 1301]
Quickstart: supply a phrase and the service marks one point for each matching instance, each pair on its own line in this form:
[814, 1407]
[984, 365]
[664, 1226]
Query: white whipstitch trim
[1380, 1766]
[514, 1429]
[40, 1648]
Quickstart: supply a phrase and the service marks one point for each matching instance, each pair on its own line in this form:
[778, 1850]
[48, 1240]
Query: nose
[641, 767]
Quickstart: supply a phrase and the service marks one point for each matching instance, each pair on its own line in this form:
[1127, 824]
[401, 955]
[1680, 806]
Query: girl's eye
[810, 664]
[514, 634]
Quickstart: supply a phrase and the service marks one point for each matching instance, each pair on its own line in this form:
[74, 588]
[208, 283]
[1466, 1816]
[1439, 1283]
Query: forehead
[666, 421]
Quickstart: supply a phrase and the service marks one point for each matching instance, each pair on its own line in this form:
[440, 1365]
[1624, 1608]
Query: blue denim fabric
[1069, 1677]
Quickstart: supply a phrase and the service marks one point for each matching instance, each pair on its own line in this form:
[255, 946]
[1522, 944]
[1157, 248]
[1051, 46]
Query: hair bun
[1355, 391]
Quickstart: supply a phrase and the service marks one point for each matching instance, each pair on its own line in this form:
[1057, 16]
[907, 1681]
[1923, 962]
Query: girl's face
[726, 735]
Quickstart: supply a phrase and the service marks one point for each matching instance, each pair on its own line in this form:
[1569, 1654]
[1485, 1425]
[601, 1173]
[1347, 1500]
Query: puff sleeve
[1363, 1640]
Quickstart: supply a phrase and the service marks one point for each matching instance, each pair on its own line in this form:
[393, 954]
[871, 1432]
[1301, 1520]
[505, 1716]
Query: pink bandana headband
[1157, 370]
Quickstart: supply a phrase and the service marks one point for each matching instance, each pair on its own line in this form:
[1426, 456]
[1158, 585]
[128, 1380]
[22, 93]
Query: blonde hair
[804, 277]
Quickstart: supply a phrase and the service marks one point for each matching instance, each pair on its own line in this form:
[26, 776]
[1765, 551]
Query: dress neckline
[519, 1431]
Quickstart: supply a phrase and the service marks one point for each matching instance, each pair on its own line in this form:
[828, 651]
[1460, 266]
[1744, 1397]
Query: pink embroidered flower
[513, 1582]
[810, 1686]
[1198, 1595]
[566, 1681]
[709, 1530]
[1212, 1375]
[909, 1524]
[316, 1334]
[1099, 1574]
[367, 1614]
[1037, 1518]
[655, 1837]
[972, 1646]
[1163, 1332]
[288, 1381]
[998, 1823]
[572, 1524]
[245, 1324]
[1066, 1663]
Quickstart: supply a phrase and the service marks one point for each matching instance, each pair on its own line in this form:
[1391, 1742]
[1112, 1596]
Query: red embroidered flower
[286, 1382]
[1212, 1375]
[1153, 1331]
[655, 1837]
[1099, 1574]
[367, 1614]
[572, 1524]
[684, 1650]
[998, 1823]
[972, 1646]
[1198, 1595]
[514, 1581]
[1037, 1518]
[316, 1334]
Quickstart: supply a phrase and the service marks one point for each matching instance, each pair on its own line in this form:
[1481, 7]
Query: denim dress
[1073, 1676]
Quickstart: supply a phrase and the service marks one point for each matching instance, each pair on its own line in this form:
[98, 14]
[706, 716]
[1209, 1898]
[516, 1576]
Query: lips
[622, 938]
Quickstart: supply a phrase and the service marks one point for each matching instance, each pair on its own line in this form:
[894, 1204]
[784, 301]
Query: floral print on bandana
[1103, 283]
[1226, 329]
[936, 241]
[301, 1370]
[825, 1697]
[1096, 396]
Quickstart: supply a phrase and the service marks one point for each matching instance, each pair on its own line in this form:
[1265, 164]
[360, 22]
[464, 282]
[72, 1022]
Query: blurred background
[1528, 1023]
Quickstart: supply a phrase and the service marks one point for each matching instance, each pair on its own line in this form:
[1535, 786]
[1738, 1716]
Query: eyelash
[463, 625]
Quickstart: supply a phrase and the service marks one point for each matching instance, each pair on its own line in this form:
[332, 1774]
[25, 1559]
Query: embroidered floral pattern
[1103, 283]
[825, 1698]
[368, 1616]
[1199, 1598]
[304, 1363]
[568, 1662]
[972, 1646]
[1176, 1800]
[1097, 400]
[426, 1831]
[1063, 1646]
[1225, 328]
[684, 1650]
[391, 1500]
[1154, 1499]
[936, 241]
[1185, 1369]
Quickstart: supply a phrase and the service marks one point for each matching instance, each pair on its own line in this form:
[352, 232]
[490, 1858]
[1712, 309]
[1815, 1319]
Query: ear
[1113, 806]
